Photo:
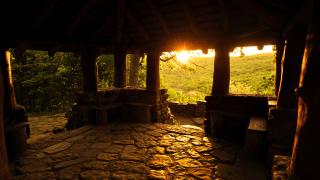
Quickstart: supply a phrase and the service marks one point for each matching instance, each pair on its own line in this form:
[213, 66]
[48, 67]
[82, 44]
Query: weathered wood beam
[120, 20]
[271, 19]
[191, 20]
[4, 165]
[305, 155]
[302, 16]
[47, 8]
[159, 16]
[137, 25]
[120, 77]
[89, 70]
[81, 14]
[221, 77]
[107, 20]
[224, 15]
[291, 67]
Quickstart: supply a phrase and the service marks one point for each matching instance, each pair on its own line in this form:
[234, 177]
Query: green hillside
[249, 75]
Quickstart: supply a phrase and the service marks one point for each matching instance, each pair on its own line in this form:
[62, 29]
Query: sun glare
[183, 56]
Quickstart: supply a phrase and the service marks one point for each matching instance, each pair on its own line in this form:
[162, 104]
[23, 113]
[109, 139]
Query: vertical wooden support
[279, 53]
[10, 98]
[153, 82]
[89, 70]
[221, 73]
[291, 67]
[305, 157]
[120, 68]
[4, 166]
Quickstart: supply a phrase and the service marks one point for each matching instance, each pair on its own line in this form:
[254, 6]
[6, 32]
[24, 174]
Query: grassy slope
[249, 75]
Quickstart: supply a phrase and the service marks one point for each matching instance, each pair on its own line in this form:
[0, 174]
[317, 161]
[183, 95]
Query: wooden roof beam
[224, 15]
[191, 20]
[82, 13]
[47, 8]
[120, 20]
[159, 17]
[137, 25]
[269, 18]
[108, 18]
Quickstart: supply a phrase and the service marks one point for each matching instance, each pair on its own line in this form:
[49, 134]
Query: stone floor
[42, 126]
[130, 151]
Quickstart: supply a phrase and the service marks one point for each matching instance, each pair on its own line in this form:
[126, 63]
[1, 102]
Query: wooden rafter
[137, 25]
[302, 16]
[47, 8]
[159, 16]
[107, 20]
[271, 19]
[82, 13]
[224, 15]
[120, 20]
[190, 17]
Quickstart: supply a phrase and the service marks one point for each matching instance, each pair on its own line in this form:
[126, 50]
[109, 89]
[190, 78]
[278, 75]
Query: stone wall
[119, 104]
[195, 110]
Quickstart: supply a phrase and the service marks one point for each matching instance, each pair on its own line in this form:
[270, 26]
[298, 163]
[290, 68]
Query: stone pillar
[280, 49]
[153, 82]
[10, 98]
[291, 66]
[305, 157]
[120, 68]
[89, 70]
[4, 170]
[221, 73]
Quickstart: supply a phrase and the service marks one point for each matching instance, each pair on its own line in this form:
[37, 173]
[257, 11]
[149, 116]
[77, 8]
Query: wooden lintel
[137, 25]
[159, 16]
[120, 20]
[190, 17]
[82, 13]
[224, 15]
[47, 8]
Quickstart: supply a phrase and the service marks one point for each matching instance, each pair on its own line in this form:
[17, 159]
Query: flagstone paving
[127, 151]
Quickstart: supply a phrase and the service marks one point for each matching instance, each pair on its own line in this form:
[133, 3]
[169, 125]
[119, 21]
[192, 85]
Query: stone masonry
[127, 151]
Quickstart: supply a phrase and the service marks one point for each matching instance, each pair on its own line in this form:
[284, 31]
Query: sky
[184, 56]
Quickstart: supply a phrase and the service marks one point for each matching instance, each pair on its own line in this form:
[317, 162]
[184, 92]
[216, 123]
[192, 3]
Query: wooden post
[10, 98]
[280, 50]
[221, 77]
[305, 157]
[291, 67]
[120, 68]
[89, 70]
[153, 82]
[153, 71]
[4, 166]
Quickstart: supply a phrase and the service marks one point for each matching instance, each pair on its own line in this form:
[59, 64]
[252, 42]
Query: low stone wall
[195, 110]
[128, 104]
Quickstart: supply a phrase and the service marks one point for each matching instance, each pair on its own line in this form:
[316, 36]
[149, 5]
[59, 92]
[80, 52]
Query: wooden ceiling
[143, 24]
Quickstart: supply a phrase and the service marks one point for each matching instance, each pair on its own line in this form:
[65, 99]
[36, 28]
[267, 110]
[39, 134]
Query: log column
[305, 157]
[10, 98]
[291, 66]
[153, 82]
[280, 49]
[282, 119]
[4, 166]
[89, 70]
[221, 73]
[120, 68]
[89, 85]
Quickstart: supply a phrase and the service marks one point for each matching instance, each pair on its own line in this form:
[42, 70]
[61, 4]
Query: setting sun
[183, 56]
